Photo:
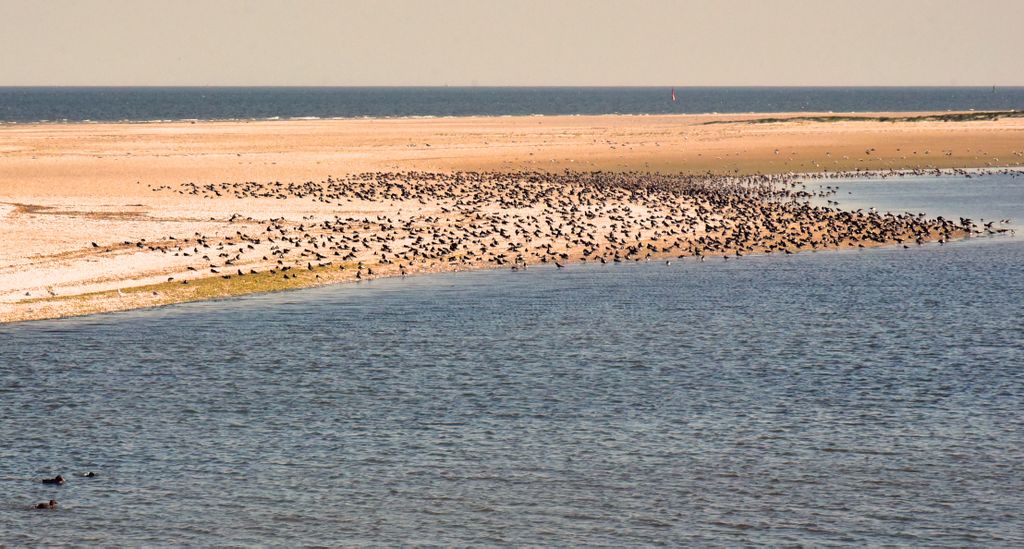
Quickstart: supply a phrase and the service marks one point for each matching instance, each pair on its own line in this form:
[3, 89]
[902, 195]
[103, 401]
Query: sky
[511, 42]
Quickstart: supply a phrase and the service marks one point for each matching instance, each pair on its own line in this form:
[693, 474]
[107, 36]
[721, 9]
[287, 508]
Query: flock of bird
[915, 172]
[429, 221]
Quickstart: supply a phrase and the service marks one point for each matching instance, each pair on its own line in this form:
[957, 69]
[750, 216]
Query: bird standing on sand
[481, 219]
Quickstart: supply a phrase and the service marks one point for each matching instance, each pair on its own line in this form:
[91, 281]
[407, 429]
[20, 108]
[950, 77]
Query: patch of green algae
[200, 289]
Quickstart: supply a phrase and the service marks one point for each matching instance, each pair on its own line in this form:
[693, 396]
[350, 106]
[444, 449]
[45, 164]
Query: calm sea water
[141, 104]
[862, 397]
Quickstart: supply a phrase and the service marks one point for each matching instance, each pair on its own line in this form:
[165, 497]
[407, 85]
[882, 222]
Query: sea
[868, 397]
[105, 104]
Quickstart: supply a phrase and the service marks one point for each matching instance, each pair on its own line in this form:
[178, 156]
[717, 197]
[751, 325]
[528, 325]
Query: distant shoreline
[780, 117]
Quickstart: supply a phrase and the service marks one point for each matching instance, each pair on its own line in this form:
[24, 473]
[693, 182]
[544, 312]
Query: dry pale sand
[64, 187]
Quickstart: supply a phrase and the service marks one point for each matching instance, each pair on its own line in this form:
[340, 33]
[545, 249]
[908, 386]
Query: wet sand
[98, 217]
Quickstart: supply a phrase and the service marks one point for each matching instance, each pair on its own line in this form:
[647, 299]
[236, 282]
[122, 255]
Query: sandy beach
[104, 217]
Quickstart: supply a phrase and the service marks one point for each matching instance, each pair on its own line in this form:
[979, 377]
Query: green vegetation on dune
[947, 117]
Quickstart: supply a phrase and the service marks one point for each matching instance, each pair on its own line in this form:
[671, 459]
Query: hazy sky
[512, 42]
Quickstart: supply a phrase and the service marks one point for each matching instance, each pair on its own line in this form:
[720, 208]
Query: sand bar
[64, 187]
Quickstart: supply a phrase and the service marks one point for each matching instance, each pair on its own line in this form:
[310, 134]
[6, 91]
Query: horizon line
[515, 86]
